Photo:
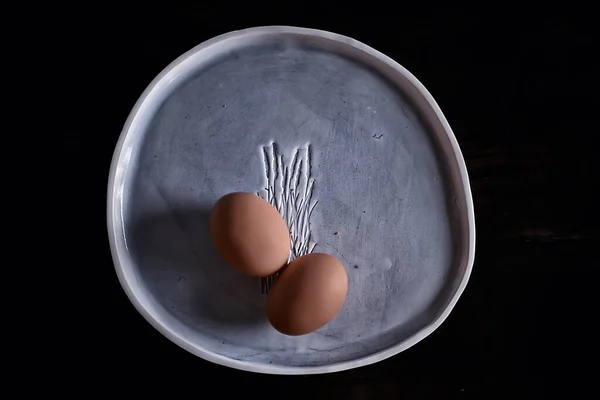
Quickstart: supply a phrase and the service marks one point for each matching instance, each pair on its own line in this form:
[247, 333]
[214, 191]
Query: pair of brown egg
[251, 236]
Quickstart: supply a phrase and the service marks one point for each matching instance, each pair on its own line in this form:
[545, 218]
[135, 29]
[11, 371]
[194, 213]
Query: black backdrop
[517, 92]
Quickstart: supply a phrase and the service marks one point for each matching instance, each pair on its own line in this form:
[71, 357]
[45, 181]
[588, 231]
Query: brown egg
[308, 294]
[249, 234]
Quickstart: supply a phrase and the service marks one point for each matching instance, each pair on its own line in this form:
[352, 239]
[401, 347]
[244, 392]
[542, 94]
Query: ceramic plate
[352, 150]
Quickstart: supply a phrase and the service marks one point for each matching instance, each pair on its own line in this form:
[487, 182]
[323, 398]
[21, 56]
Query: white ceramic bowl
[374, 160]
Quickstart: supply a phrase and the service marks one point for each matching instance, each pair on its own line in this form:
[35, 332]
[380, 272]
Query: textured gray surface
[378, 182]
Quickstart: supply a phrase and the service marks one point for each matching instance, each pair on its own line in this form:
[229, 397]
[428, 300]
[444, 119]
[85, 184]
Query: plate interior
[362, 167]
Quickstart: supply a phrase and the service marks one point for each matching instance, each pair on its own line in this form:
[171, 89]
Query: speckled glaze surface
[349, 147]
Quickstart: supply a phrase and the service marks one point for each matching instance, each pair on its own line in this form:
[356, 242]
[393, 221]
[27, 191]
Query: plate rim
[115, 229]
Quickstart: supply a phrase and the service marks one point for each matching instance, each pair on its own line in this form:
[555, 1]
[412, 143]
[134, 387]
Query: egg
[249, 234]
[307, 294]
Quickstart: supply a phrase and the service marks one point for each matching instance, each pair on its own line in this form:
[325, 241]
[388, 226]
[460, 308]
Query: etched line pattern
[289, 188]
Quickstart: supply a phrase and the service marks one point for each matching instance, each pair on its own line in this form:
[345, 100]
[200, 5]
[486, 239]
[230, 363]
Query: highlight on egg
[249, 234]
[307, 294]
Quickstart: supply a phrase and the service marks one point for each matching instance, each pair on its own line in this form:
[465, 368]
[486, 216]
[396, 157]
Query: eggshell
[308, 294]
[249, 234]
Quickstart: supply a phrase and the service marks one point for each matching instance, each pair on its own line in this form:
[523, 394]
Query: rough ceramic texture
[289, 188]
[394, 204]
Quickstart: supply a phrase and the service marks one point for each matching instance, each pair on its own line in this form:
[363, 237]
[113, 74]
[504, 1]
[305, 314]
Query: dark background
[518, 92]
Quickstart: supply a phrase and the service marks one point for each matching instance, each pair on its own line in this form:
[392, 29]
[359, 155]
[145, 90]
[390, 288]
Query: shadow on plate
[179, 265]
